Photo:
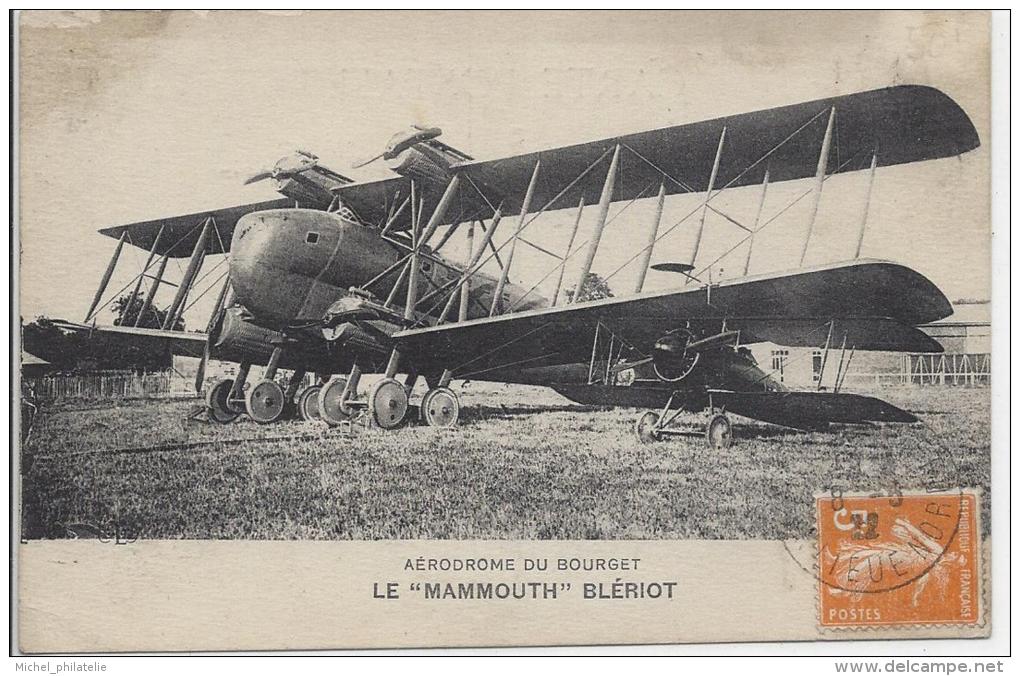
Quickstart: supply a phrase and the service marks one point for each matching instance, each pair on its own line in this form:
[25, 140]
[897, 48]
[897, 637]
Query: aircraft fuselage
[287, 266]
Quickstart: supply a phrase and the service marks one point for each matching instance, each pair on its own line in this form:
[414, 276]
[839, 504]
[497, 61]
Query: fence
[950, 369]
[964, 370]
[114, 385]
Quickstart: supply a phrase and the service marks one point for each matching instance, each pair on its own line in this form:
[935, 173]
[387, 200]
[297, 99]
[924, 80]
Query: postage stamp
[899, 560]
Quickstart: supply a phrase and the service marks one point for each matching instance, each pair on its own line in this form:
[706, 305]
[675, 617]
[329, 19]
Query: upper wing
[180, 233]
[907, 123]
[875, 304]
[176, 342]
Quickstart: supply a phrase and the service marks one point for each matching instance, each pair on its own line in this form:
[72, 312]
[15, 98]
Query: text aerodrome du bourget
[603, 583]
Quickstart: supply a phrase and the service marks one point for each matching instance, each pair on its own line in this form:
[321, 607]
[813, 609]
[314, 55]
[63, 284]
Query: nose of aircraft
[249, 248]
[276, 256]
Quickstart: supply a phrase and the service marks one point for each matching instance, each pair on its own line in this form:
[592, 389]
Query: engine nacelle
[358, 305]
[423, 163]
[671, 357]
[360, 323]
[234, 337]
[363, 339]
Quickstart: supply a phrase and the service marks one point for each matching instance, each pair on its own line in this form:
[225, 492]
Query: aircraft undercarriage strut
[386, 403]
[652, 426]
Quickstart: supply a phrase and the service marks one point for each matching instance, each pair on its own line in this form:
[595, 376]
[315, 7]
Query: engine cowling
[671, 357]
[422, 163]
[234, 338]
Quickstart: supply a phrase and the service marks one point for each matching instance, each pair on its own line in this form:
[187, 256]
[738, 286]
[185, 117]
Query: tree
[128, 311]
[594, 288]
[43, 339]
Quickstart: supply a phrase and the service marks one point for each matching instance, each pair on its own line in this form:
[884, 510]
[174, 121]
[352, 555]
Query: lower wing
[176, 342]
[864, 304]
[799, 410]
[810, 410]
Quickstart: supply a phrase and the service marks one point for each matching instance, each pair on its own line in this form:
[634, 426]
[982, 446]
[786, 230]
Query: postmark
[900, 560]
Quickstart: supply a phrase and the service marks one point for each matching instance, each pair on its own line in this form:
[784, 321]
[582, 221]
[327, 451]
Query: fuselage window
[312, 237]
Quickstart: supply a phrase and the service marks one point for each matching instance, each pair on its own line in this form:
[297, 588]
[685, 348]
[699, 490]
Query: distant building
[967, 331]
[965, 336]
[33, 366]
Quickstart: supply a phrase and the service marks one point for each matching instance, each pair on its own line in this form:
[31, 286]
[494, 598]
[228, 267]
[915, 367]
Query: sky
[133, 116]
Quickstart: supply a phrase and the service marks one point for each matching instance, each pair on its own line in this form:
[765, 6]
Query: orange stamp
[898, 560]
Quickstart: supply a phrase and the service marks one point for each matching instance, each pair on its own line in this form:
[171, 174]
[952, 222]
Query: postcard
[409, 329]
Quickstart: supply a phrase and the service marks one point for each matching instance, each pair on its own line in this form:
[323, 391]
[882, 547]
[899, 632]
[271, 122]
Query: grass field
[510, 470]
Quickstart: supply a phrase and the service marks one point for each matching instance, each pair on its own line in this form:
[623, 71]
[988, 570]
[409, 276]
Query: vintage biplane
[340, 278]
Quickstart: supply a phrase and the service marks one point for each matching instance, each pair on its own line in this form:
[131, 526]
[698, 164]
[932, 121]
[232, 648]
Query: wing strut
[757, 220]
[148, 262]
[393, 217]
[412, 278]
[497, 295]
[465, 289]
[825, 354]
[105, 281]
[867, 206]
[418, 239]
[600, 223]
[653, 232]
[736, 181]
[197, 256]
[846, 369]
[839, 367]
[440, 211]
[708, 196]
[392, 297]
[470, 269]
[566, 255]
[412, 261]
[823, 161]
[156, 281]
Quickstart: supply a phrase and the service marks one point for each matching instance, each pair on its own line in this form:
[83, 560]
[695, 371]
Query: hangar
[965, 336]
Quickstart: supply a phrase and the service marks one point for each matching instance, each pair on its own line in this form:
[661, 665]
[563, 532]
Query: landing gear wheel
[216, 402]
[388, 403]
[308, 403]
[331, 408]
[440, 407]
[266, 402]
[719, 432]
[645, 427]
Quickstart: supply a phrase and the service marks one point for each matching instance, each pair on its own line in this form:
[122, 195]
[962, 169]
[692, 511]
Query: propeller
[295, 163]
[401, 141]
